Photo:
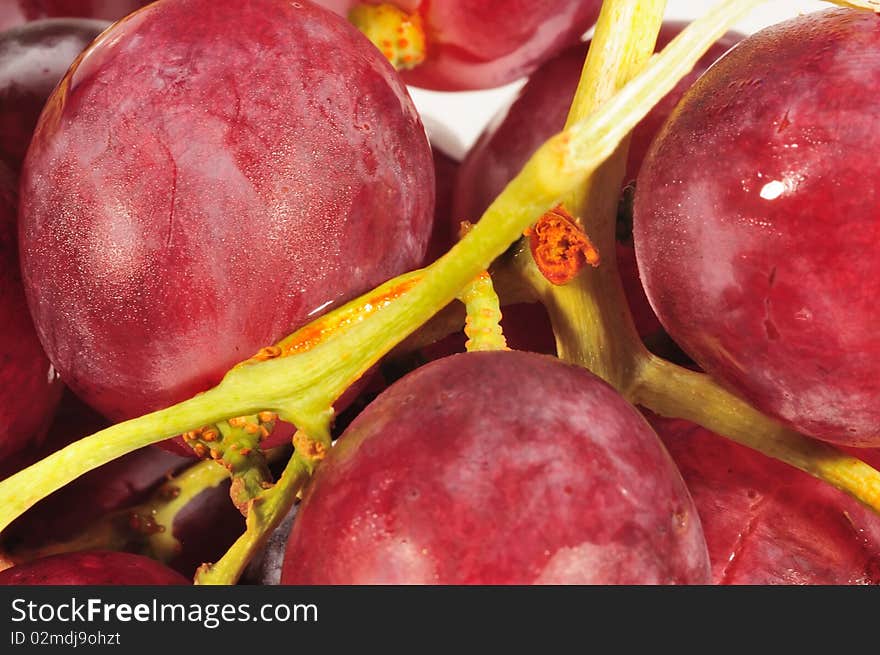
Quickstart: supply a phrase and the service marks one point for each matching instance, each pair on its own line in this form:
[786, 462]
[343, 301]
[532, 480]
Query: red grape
[15, 12]
[92, 568]
[477, 44]
[29, 386]
[445, 170]
[756, 224]
[538, 112]
[768, 523]
[33, 58]
[191, 196]
[497, 468]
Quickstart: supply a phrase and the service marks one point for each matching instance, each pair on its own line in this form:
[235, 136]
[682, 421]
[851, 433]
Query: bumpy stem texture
[483, 321]
[265, 512]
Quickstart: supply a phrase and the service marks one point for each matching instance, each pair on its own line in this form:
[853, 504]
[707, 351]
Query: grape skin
[768, 523]
[479, 44]
[756, 224]
[192, 197]
[92, 568]
[25, 372]
[17, 12]
[454, 477]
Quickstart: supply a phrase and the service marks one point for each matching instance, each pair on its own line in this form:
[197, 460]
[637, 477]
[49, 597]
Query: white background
[455, 120]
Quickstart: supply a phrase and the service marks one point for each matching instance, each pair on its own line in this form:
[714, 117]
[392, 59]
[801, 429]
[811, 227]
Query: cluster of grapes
[212, 240]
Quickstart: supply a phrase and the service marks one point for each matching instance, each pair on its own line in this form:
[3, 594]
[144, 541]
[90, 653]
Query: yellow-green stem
[148, 526]
[590, 315]
[483, 321]
[266, 512]
[673, 391]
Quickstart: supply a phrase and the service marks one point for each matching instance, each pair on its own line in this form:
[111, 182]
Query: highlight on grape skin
[760, 263]
[193, 197]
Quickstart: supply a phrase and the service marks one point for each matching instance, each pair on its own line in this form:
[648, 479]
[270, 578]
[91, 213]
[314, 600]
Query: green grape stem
[677, 392]
[266, 511]
[147, 528]
[483, 322]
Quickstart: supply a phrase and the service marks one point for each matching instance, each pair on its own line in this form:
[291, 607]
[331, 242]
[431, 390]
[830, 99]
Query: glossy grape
[497, 468]
[33, 58]
[477, 44]
[16, 12]
[757, 229]
[768, 523]
[192, 196]
[92, 568]
[29, 387]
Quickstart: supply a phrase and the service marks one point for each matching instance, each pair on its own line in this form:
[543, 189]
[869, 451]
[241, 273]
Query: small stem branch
[677, 392]
[266, 512]
[483, 323]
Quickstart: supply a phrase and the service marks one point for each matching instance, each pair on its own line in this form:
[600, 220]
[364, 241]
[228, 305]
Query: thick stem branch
[673, 391]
